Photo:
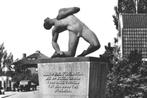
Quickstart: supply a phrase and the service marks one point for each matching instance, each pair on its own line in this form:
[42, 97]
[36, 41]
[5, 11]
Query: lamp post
[4, 78]
[5, 69]
[9, 83]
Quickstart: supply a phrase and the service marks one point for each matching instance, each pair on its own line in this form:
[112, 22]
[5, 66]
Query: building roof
[134, 20]
[37, 55]
[31, 59]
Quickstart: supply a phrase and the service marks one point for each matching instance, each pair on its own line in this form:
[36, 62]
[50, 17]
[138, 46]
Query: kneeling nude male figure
[76, 30]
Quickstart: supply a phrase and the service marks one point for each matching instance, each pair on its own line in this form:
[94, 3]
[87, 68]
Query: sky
[21, 24]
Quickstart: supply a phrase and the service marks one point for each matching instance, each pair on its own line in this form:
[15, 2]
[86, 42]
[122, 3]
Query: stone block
[80, 77]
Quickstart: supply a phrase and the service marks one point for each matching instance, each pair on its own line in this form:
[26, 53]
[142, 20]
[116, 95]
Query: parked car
[27, 85]
[15, 86]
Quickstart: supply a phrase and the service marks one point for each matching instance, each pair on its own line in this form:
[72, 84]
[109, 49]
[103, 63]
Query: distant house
[30, 62]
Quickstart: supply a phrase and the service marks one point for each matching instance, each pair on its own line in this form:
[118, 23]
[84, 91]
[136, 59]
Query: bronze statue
[67, 21]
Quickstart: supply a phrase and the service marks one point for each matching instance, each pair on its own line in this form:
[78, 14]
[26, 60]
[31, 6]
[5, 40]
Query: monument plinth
[81, 77]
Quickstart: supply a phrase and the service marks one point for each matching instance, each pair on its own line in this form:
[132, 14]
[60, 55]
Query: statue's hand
[60, 52]
[57, 54]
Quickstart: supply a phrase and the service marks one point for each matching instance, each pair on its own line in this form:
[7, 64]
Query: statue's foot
[82, 54]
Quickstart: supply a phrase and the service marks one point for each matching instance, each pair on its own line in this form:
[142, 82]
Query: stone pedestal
[81, 77]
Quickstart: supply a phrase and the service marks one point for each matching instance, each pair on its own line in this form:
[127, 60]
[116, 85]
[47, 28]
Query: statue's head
[47, 23]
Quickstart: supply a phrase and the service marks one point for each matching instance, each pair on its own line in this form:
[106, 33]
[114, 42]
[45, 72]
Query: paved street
[31, 94]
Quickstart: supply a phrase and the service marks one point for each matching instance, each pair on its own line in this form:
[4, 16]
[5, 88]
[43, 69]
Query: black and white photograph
[73, 49]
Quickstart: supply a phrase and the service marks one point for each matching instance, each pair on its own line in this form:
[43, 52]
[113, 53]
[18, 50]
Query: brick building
[134, 33]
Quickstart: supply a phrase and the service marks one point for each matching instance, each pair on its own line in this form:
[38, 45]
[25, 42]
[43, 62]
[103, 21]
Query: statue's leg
[64, 12]
[92, 39]
[72, 45]
[90, 49]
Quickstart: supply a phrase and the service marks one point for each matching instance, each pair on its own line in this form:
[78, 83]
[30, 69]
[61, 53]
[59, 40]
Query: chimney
[37, 51]
[24, 55]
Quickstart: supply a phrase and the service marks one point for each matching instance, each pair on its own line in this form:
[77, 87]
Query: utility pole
[136, 5]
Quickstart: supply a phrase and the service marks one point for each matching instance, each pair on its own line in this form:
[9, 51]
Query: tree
[126, 6]
[126, 76]
[5, 60]
[22, 73]
[142, 6]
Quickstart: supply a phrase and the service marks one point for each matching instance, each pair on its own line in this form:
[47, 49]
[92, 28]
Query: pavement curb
[6, 95]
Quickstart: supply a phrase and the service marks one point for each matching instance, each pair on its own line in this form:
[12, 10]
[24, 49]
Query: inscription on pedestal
[64, 78]
[63, 82]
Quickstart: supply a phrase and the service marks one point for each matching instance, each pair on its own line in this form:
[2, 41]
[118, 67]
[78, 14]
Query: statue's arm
[64, 12]
[54, 40]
